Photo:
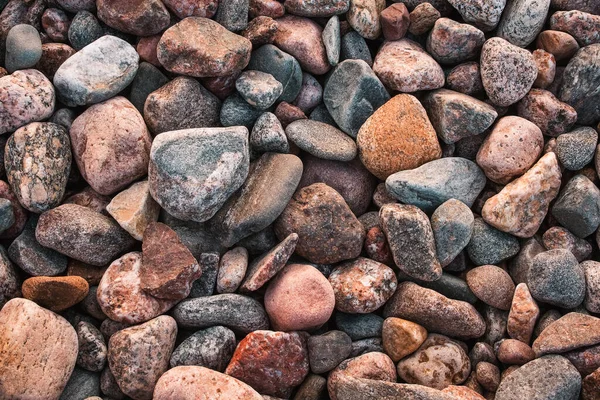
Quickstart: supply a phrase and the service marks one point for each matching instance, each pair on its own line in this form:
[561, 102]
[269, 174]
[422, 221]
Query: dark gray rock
[260, 242]
[268, 136]
[237, 312]
[7, 216]
[23, 48]
[522, 21]
[368, 345]
[236, 111]
[92, 347]
[282, 66]
[91, 305]
[555, 277]
[321, 114]
[321, 140]
[211, 348]
[233, 14]
[332, 40]
[81, 385]
[577, 207]
[205, 285]
[259, 89]
[147, 80]
[109, 385]
[326, 351]
[576, 148]
[359, 326]
[352, 93]
[314, 387]
[450, 42]
[488, 245]
[64, 117]
[452, 287]
[354, 47]
[452, 225]
[435, 182]
[84, 29]
[10, 284]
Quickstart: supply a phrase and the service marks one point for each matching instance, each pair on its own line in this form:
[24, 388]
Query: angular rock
[137, 17]
[576, 149]
[578, 206]
[261, 30]
[522, 21]
[572, 331]
[452, 225]
[321, 140]
[211, 348]
[394, 21]
[282, 66]
[422, 18]
[267, 135]
[450, 42]
[134, 209]
[401, 337]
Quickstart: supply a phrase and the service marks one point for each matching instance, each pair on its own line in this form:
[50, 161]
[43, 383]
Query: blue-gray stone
[576, 149]
[64, 117]
[488, 245]
[354, 47]
[452, 225]
[7, 216]
[147, 80]
[332, 40]
[359, 326]
[284, 67]
[321, 114]
[81, 385]
[578, 206]
[84, 29]
[23, 48]
[236, 111]
[210, 348]
[452, 287]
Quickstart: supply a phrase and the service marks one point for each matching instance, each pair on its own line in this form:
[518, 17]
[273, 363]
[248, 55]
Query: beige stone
[134, 209]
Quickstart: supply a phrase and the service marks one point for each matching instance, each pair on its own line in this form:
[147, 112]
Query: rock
[354, 47]
[233, 14]
[77, 5]
[10, 282]
[363, 17]
[84, 29]
[311, 94]
[401, 337]
[362, 286]
[321, 140]
[492, 285]
[24, 87]
[313, 387]
[38, 353]
[83, 234]
[359, 326]
[232, 269]
[331, 37]
[19, 213]
[263, 351]
[236, 111]
[450, 42]
[423, 18]
[439, 362]
[576, 148]
[411, 241]
[514, 352]
[55, 293]
[146, 48]
[578, 206]
[465, 78]
[558, 237]
[139, 355]
[542, 108]
[261, 30]
[523, 315]
[435, 312]
[591, 386]
[482, 13]
[139, 17]
[583, 26]
[201, 47]
[23, 47]
[341, 238]
[295, 285]
[267, 135]
[436, 182]
[189, 382]
[282, 66]
[134, 209]
[507, 72]
[240, 313]
[591, 270]
[53, 56]
[452, 287]
[288, 113]
[205, 285]
[97, 72]
[489, 245]
[400, 126]
[259, 89]
[326, 351]
[394, 21]
[192, 8]
[522, 21]
[546, 65]
[572, 331]
[488, 375]
[174, 176]
[7, 216]
[82, 385]
[452, 225]
[560, 44]
[373, 366]
[211, 348]
[322, 8]
[352, 93]
[462, 392]
[547, 377]
[92, 347]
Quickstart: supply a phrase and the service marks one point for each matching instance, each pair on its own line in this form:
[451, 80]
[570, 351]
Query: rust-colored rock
[56, 293]
[492, 285]
[560, 44]
[590, 389]
[572, 331]
[523, 315]
[394, 21]
[53, 56]
[401, 337]
[514, 352]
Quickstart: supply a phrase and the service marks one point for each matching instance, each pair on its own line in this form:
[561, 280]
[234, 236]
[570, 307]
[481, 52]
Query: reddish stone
[492, 285]
[462, 393]
[192, 8]
[90, 273]
[374, 365]
[363, 16]
[558, 237]
[273, 363]
[394, 21]
[136, 17]
[590, 389]
[572, 331]
[586, 360]
[56, 293]
[232, 269]
[19, 212]
[56, 24]
[146, 48]
[546, 65]
[465, 78]
[222, 86]
[53, 56]
[265, 8]
[551, 115]
[422, 18]
[287, 113]
[261, 30]
[523, 315]
[584, 27]
[377, 247]
[514, 352]
[560, 44]
[91, 199]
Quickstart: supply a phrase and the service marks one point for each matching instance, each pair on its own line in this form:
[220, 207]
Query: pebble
[299, 298]
[284, 67]
[91, 199]
[270, 8]
[321, 140]
[288, 113]
[436, 182]
[465, 78]
[523, 315]
[545, 378]
[23, 48]
[489, 245]
[591, 270]
[359, 326]
[364, 346]
[267, 136]
[577, 207]
[134, 209]
[354, 47]
[374, 366]
[190, 382]
[147, 79]
[199, 39]
[237, 312]
[261, 352]
[19, 213]
[327, 351]
[74, 6]
[591, 386]
[576, 149]
[323, 8]
[174, 178]
[586, 359]
[192, 8]
[438, 363]
[210, 348]
[53, 56]
[38, 353]
[546, 65]
[362, 286]
[560, 44]
[583, 26]
[236, 111]
[522, 21]
[435, 312]
[24, 87]
[7, 216]
[400, 126]
[394, 20]
[146, 48]
[507, 71]
[558, 237]
[55, 293]
[84, 30]
[137, 17]
[205, 285]
[401, 337]
[492, 285]
[139, 355]
[452, 225]
[484, 14]
[232, 269]
[450, 42]
[82, 385]
[452, 287]
[261, 30]
[551, 115]
[331, 38]
[514, 352]
[259, 89]
[488, 376]
[311, 94]
[56, 24]
[9, 280]
[97, 72]
[233, 14]
[92, 347]
[363, 17]
[352, 94]
[422, 18]
[572, 331]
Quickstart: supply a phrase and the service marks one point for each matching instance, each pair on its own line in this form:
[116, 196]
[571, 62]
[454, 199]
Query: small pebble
[321, 140]
[326, 351]
[577, 207]
[23, 48]
[401, 337]
[523, 315]
[92, 347]
[558, 237]
[210, 348]
[551, 115]
[422, 18]
[492, 285]
[490, 246]
[576, 149]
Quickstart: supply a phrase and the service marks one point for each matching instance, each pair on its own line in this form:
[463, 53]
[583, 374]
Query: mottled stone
[583, 26]
[363, 17]
[578, 206]
[551, 115]
[489, 245]
[591, 270]
[261, 30]
[492, 285]
[146, 48]
[92, 347]
[465, 78]
[576, 149]
[9, 280]
[560, 44]
[321, 140]
[233, 14]
[422, 18]
[84, 29]
[354, 47]
[452, 225]
[82, 384]
[522, 20]
[523, 315]
[558, 237]
[484, 14]
[205, 285]
[19, 213]
[394, 21]
[359, 326]
[316, 8]
[137, 17]
[201, 47]
[591, 386]
[288, 113]
[134, 209]
[91, 199]
[236, 111]
[211, 348]
[546, 65]
[232, 269]
[53, 56]
[56, 24]
[192, 8]
[267, 135]
[326, 351]
[147, 79]
[55, 293]
[450, 42]
[572, 331]
[38, 351]
[331, 37]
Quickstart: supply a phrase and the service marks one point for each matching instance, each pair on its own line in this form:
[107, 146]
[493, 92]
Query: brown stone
[465, 78]
[514, 352]
[287, 113]
[422, 18]
[374, 365]
[56, 293]
[586, 360]
[53, 56]
[558, 237]
[91, 199]
[583, 26]
[394, 21]
[572, 331]
[560, 44]
[488, 376]
[551, 115]
[192, 8]
[523, 315]
[56, 24]
[232, 269]
[590, 389]
[90, 273]
[462, 393]
[222, 86]
[261, 30]
[146, 48]
[134, 209]
[267, 8]
[401, 337]
[397, 137]
[492, 285]
[451, 42]
[262, 352]
[136, 17]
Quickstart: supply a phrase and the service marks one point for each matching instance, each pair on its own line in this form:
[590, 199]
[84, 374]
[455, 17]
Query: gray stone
[359, 326]
[577, 207]
[259, 89]
[452, 287]
[7, 216]
[268, 136]
[332, 40]
[235, 311]
[321, 140]
[352, 94]
[326, 351]
[84, 29]
[64, 116]
[369, 345]
[484, 14]
[147, 80]
[282, 66]
[10, 284]
[435, 182]
[519, 266]
[576, 148]
[321, 114]
[97, 72]
[452, 224]
[522, 21]
[488, 245]
[555, 277]
[451, 42]
[354, 47]
[23, 47]
[92, 347]
[233, 14]
[592, 285]
[261, 241]
[193, 172]
[211, 348]
[205, 285]
[236, 111]
[81, 384]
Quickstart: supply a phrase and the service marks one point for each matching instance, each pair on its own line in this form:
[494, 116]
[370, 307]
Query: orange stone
[401, 337]
[56, 293]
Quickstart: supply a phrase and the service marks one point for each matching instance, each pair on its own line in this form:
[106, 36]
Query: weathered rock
[359, 326]
[489, 245]
[394, 21]
[482, 13]
[422, 18]
[211, 348]
[465, 78]
[523, 315]
[84, 29]
[591, 270]
[578, 206]
[492, 285]
[82, 384]
[268, 136]
[138, 17]
[558, 237]
[546, 65]
[9, 281]
[522, 20]
[232, 269]
[354, 47]
[233, 14]
[134, 209]
[450, 42]
[23, 47]
[282, 66]
[321, 8]
[259, 89]
[262, 29]
[570, 332]
[452, 225]
[92, 347]
[560, 44]
[576, 149]
[53, 56]
[55, 293]
[584, 27]
[326, 351]
[205, 285]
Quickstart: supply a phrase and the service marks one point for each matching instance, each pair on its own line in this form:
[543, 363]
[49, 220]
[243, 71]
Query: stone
[23, 48]
[591, 270]
[363, 17]
[352, 94]
[311, 94]
[235, 311]
[489, 245]
[452, 287]
[321, 140]
[327, 351]
[576, 149]
[210, 348]
[340, 238]
[283, 66]
[492, 285]
[483, 14]
[232, 269]
[299, 298]
[359, 326]
[465, 78]
[547, 377]
[322, 8]
[522, 21]
[74, 6]
[586, 359]
[514, 352]
[507, 71]
[201, 47]
[82, 384]
[134, 209]
[551, 115]
[401, 337]
[558, 237]
[205, 285]
[19, 213]
[436, 182]
[288, 113]
[488, 375]
[450, 42]
[190, 382]
[435, 312]
[38, 352]
[7, 216]
[394, 21]
[91, 199]
[53, 56]
[146, 48]
[546, 65]
[332, 40]
[452, 225]
[268, 136]
[577, 207]
[555, 277]
[138, 17]
[364, 346]
[192, 8]
[259, 89]
[55, 293]
[270, 8]
[462, 393]
[362, 285]
[423, 18]
[236, 111]
[400, 126]
[174, 178]
[139, 355]
[9, 281]
[233, 14]
[263, 351]
[97, 72]
[572, 331]
[92, 347]
[560, 44]
[583, 26]
[523, 315]
[24, 87]
[411, 241]
[354, 47]
[84, 29]
[438, 363]
[313, 387]
[261, 30]
[522, 205]
[147, 79]
[591, 386]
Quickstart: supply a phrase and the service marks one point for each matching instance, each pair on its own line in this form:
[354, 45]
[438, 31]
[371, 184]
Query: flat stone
[23, 47]
[401, 337]
[332, 40]
[452, 225]
[450, 42]
[576, 149]
[134, 209]
[283, 66]
[578, 206]
[174, 176]
[572, 331]
[484, 14]
[551, 115]
[363, 17]
[55, 293]
[492, 285]
[523, 315]
[201, 47]
[558, 237]
[435, 312]
[321, 140]
[139, 355]
[522, 21]
[319, 8]
[488, 245]
[38, 352]
[92, 347]
[259, 89]
[232, 269]
[210, 348]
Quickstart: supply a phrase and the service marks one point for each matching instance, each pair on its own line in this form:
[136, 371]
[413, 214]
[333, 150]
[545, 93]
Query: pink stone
[523, 315]
[546, 65]
[192, 8]
[374, 365]
[363, 17]
[146, 48]
[394, 21]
